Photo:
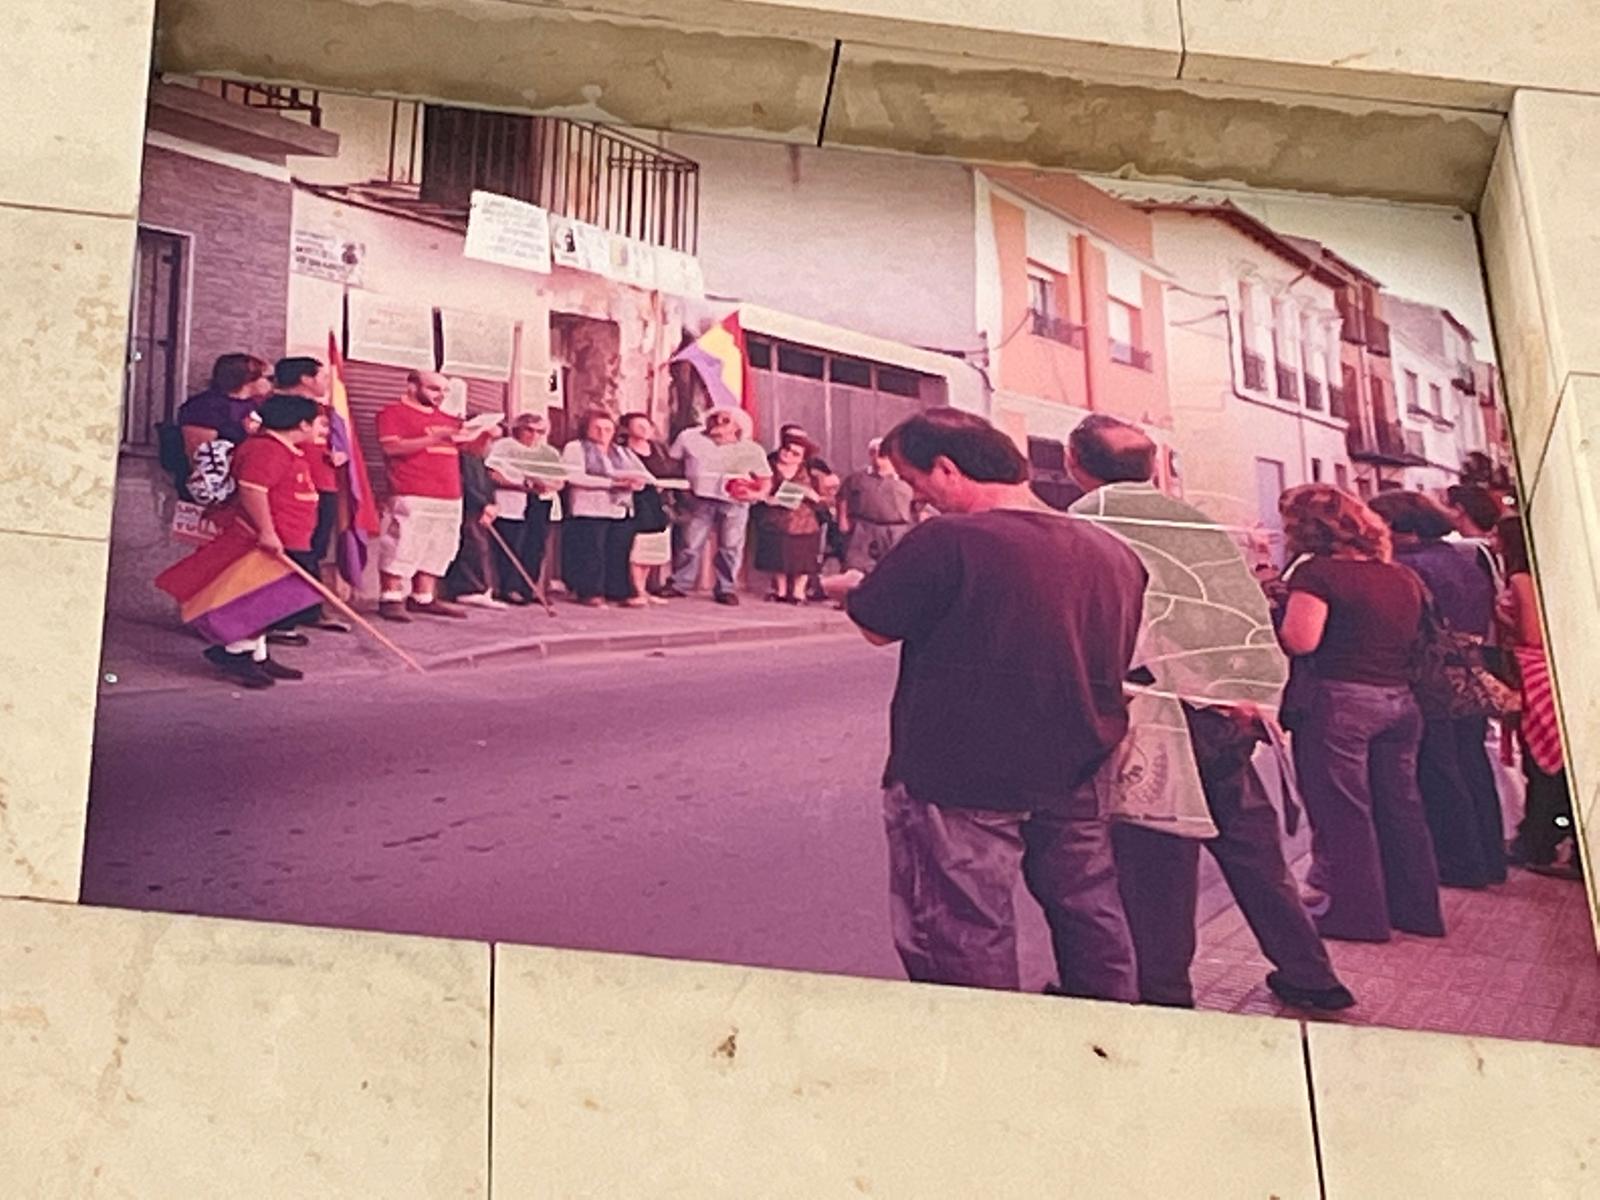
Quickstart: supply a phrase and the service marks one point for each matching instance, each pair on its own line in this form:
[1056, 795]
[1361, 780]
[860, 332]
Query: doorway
[155, 340]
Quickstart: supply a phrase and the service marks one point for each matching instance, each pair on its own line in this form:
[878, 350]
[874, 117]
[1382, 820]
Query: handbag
[1452, 680]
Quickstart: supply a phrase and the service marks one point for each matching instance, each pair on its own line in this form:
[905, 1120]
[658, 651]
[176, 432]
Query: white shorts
[420, 533]
[652, 549]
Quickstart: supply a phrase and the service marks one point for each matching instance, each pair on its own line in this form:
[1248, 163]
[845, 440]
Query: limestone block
[507, 55]
[1556, 150]
[64, 320]
[988, 112]
[1527, 369]
[145, 1054]
[645, 1077]
[73, 97]
[51, 608]
[1136, 36]
[1463, 53]
[1422, 1114]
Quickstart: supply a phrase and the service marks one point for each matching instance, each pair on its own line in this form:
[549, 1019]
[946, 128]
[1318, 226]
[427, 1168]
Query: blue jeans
[1356, 755]
[730, 521]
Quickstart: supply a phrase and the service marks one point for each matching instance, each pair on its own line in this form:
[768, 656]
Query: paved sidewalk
[1518, 962]
[156, 655]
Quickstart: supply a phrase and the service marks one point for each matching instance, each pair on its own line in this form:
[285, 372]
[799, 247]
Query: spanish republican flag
[721, 360]
[358, 511]
[231, 589]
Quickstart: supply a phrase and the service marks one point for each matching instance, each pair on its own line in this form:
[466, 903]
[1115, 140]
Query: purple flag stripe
[709, 368]
[255, 612]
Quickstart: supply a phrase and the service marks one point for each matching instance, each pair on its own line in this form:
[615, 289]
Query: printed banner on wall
[385, 329]
[509, 232]
[476, 344]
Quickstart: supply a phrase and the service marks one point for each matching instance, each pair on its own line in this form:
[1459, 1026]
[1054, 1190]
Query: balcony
[254, 120]
[1389, 445]
[1131, 356]
[268, 96]
[1313, 394]
[1352, 327]
[1288, 383]
[1338, 406]
[1465, 379]
[591, 173]
[1414, 446]
[1055, 329]
[1255, 371]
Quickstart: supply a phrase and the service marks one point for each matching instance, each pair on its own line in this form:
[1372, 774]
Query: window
[1316, 470]
[794, 361]
[760, 353]
[1041, 295]
[1123, 325]
[1413, 392]
[850, 371]
[1436, 399]
[899, 383]
[1341, 477]
[1122, 322]
[1247, 315]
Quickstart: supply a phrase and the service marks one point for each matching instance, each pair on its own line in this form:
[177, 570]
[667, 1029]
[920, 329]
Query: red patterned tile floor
[1519, 962]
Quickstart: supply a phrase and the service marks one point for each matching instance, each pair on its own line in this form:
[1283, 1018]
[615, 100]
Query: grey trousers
[952, 878]
[1158, 875]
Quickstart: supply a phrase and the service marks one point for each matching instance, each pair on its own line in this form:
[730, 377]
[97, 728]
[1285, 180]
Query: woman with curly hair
[1357, 616]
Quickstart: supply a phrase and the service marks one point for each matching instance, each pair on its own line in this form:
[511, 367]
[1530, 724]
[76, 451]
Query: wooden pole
[516, 562]
[355, 617]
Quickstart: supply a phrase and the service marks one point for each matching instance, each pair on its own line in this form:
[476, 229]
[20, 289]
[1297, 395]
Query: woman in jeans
[1358, 618]
[597, 540]
[1459, 794]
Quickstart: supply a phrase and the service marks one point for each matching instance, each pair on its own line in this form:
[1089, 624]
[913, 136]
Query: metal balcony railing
[1465, 380]
[1288, 383]
[1131, 356]
[267, 95]
[1377, 335]
[1255, 371]
[1313, 394]
[1056, 329]
[1338, 405]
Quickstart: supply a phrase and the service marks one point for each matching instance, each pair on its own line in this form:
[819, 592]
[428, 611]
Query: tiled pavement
[1518, 961]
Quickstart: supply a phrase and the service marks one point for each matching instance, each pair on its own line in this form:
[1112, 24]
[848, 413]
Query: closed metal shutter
[372, 387]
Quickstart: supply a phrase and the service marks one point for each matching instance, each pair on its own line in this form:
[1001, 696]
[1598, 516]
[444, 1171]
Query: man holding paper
[727, 473]
[1207, 641]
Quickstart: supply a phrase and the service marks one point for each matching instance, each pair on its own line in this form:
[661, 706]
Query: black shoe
[240, 668]
[1327, 999]
[277, 670]
[286, 637]
[332, 625]
[515, 599]
[729, 599]
[671, 593]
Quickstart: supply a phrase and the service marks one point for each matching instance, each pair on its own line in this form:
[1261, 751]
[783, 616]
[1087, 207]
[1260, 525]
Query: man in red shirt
[422, 524]
[308, 377]
[275, 504]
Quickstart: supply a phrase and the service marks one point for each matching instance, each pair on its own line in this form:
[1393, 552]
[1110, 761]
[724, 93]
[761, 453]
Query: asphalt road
[718, 804]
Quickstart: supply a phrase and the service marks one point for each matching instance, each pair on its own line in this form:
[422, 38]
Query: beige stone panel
[513, 56]
[1134, 36]
[64, 321]
[1426, 1114]
[1528, 373]
[1469, 53]
[923, 104]
[644, 1077]
[1564, 525]
[73, 97]
[1556, 151]
[51, 608]
[151, 1055]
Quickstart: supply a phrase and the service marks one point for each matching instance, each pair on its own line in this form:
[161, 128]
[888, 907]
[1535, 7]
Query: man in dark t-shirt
[1017, 627]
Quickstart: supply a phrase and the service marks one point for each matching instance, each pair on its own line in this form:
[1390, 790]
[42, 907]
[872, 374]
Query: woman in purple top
[1358, 616]
[1456, 777]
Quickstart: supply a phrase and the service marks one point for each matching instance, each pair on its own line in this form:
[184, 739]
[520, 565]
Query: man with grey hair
[875, 510]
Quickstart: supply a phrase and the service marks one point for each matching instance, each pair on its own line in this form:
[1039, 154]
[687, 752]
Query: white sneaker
[481, 600]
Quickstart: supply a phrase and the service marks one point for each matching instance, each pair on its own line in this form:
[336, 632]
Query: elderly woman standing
[1457, 780]
[597, 537]
[1358, 617]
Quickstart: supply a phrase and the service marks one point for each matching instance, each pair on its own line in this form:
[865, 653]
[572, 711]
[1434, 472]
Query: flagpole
[516, 562]
[357, 618]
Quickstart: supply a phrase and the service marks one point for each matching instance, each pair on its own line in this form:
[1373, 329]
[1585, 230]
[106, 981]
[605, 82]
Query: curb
[612, 643]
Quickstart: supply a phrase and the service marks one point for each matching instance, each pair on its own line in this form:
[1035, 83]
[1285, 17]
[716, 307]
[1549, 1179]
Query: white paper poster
[679, 274]
[389, 330]
[581, 246]
[477, 344]
[632, 263]
[324, 256]
[509, 232]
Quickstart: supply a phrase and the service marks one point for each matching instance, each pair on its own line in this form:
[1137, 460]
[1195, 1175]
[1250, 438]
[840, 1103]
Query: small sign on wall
[324, 256]
[509, 232]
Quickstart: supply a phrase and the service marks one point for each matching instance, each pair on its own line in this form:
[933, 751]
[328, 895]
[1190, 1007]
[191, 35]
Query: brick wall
[240, 225]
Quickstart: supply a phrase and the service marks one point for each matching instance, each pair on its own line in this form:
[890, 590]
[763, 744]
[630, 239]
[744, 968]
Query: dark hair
[1479, 503]
[233, 371]
[976, 448]
[1094, 446]
[1413, 513]
[290, 371]
[588, 419]
[283, 413]
[1320, 519]
[1513, 545]
[628, 418]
